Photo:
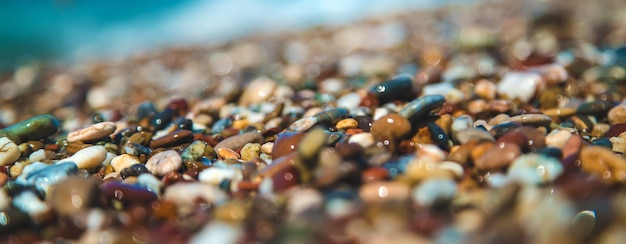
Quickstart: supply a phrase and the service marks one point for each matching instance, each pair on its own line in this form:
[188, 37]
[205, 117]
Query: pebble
[73, 195]
[226, 153]
[257, 91]
[87, 158]
[236, 142]
[215, 175]
[123, 161]
[29, 203]
[134, 171]
[185, 195]
[502, 155]
[384, 191]
[250, 151]
[35, 128]
[603, 163]
[9, 153]
[347, 124]
[164, 162]
[364, 139]
[392, 125]
[434, 191]
[44, 177]
[617, 114]
[286, 143]
[128, 193]
[93, 132]
[400, 88]
[194, 151]
[519, 85]
[535, 169]
[421, 107]
[558, 138]
[468, 134]
[530, 120]
[172, 139]
[485, 89]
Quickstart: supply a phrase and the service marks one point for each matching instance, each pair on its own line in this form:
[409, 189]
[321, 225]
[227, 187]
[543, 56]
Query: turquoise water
[74, 29]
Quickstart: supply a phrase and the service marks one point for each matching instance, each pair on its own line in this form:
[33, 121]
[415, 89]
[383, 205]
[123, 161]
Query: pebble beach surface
[499, 122]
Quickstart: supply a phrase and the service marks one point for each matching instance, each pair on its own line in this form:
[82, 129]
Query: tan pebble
[240, 124]
[480, 149]
[485, 89]
[454, 167]
[250, 151]
[226, 153]
[558, 138]
[257, 91]
[9, 151]
[393, 125]
[445, 122]
[498, 119]
[16, 169]
[111, 176]
[603, 162]
[619, 144]
[559, 112]
[617, 114]
[267, 148]
[312, 112]
[477, 106]
[418, 170]
[123, 161]
[430, 152]
[347, 124]
[164, 162]
[599, 129]
[92, 132]
[384, 191]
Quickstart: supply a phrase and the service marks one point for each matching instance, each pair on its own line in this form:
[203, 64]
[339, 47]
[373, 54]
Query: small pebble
[432, 191]
[123, 161]
[250, 151]
[87, 158]
[9, 152]
[364, 139]
[92, 132]
[164, 162]
[535, 169]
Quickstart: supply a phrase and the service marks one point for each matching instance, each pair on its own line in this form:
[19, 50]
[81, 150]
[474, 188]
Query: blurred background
[62, 30]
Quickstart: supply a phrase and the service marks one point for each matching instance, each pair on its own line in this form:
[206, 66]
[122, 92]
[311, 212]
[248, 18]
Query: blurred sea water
[77, 29]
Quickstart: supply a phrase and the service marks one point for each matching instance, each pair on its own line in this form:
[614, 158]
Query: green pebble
[194, 151]
[35, 128]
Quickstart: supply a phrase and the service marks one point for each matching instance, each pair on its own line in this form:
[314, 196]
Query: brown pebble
[384, 191]
[515, 137]
[347, 124]
[617, 114]
[536, 137]
[286, 143]
[226, 153]
[374, 174]
[4, 177]
[499, 156]
[393, 125]
[480, 149]
[172, 139]
[236, 142]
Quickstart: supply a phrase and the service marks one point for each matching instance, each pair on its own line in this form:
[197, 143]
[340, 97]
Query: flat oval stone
[236, 142]
[73, 194]
[194, 151]
[422, 106]
[530, 120]
[87, 158]
[393, 125]
[123, 161]
[286, 143]
[469, 134]
[172, 139]
[164, 162]
[35, 128]
[44, 177]
[535, 169]
[400, 88]
[134, 170]
[128, 193]
[257, 91]
[499, 156]
[92, 132]
[9, 153]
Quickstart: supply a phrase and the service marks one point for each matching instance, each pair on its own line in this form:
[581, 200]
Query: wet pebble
[236, 142]
[123, 161]
[9, 153]
[164, 162]
[35, 128]
[392, 125]
[93, 132]
[530, 120]
[465, 135]
[87, 158]
[422, 106]
[400, 88]
[134, 170]
[535, 169]
[172, 139]
[44, 177]
[286, 143]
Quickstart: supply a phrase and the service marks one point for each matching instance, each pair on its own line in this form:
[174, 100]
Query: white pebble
[164, 162]
[87, 158]
[218, 232]
[215, 175]
[29, 203]
[150, 182]
[184, 195]
[349, 100]
[123, 161]
[9, 153]
[558, 138]
[535, 169]
[520, 85]
[301, 200]
[39, 155]
[433, 190]
[364, 139]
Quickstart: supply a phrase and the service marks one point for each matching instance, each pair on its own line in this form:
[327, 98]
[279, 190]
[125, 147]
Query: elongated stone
[35, 128]
[87, 158]
[164, 162]
[422, 106]
[92, 132]
[9, 152]
[236, 142]
[400, 88]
